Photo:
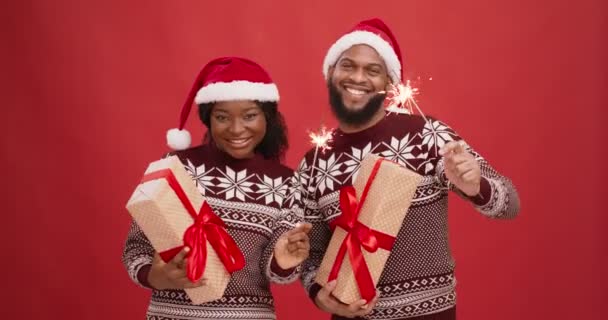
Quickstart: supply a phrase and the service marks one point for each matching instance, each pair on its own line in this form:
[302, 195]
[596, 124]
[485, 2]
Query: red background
[89, 89]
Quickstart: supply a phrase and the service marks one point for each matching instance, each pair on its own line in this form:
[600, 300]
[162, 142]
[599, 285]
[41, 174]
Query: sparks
[402, 97]
[321, 139]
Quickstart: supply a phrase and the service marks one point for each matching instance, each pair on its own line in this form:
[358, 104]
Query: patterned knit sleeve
[287, 220]
[497, 198]
[137, 255]
[320, 234]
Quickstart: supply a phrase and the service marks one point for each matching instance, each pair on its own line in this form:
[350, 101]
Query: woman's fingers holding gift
[167, 275]
[179, 261]
[185, 283]
[179, 279]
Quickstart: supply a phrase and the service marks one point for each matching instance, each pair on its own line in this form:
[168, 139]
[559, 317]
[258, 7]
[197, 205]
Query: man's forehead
[362, 53]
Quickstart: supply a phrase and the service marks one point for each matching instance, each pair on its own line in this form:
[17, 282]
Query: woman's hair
[274, 144]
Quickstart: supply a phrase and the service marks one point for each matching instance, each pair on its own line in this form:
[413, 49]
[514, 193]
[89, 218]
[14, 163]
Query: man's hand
[461, 168]
[328, 303]
[172, 275]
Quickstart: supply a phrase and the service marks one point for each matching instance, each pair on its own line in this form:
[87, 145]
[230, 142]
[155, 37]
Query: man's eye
[373, 72]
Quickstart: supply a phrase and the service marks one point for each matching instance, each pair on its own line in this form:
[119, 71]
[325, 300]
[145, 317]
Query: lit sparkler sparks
[321, 139]
[401, 98]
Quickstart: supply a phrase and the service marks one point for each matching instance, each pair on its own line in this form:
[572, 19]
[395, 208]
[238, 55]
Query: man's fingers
[355, 307]
[372, 303]
[452, 148]
[447, 148]
[366, 308]
[457, 159]
[325, 299]
[471, 176]
[327, 289]
[459, 148]
[464, 167]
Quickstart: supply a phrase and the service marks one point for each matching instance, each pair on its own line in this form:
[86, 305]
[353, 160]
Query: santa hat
[376, 34]
[223, 79]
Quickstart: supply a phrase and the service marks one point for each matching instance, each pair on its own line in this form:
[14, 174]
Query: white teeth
[238, 141]
[355, 91]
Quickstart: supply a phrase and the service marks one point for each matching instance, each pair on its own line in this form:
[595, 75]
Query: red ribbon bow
[358, 235]
[206, 227]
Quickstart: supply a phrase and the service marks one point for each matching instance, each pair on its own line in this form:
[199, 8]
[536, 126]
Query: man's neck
[350, 128]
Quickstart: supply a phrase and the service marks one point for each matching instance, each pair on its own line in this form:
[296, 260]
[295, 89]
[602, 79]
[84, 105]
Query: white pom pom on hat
[223, 79]
[178, 139]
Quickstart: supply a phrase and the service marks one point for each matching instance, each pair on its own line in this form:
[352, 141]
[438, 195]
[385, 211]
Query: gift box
[373, 211]
[172, 213]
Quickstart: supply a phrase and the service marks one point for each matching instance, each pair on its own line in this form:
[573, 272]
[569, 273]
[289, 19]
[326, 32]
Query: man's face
[354, 82]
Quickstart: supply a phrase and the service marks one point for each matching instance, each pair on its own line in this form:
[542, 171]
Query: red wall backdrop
[89, 88]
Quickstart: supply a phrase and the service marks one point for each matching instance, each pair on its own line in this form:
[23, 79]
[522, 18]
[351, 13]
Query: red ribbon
[206, 227]
[358, 235]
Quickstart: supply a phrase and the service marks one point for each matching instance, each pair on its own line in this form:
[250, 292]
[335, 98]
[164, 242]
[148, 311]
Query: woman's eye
[250, 116]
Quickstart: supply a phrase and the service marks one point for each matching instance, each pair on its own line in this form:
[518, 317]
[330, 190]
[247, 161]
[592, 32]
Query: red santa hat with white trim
[224, 79]
[376, 34]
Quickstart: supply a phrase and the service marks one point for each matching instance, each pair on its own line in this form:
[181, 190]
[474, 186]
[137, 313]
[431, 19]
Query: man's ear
[330, 71]
[389, 83]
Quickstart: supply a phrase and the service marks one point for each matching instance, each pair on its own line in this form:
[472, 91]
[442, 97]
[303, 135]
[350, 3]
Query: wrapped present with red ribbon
[373, 210]
[172, 213]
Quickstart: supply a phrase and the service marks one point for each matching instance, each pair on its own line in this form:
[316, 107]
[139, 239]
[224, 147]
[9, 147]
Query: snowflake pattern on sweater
[253, 197]
[418, 278]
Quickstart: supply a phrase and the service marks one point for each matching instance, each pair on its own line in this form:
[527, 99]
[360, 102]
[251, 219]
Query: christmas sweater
[253, 198]
[418, 278]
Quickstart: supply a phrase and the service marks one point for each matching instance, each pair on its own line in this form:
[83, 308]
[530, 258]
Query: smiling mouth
[238, 143]
[356, 92]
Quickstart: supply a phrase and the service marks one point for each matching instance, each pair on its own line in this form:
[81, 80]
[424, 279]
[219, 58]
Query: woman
[238, 170]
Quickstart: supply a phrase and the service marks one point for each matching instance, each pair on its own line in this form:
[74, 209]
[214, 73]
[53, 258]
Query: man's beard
[353, 117]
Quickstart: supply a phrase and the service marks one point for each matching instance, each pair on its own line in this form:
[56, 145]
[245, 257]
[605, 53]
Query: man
[418, 279]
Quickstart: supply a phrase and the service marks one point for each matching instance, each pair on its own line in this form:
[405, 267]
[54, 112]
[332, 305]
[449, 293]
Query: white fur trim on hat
[384, 49]
[178, 139]
[237, 90]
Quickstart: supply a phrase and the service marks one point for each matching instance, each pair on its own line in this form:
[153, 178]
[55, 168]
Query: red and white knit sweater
[253, 198]
[419, 275]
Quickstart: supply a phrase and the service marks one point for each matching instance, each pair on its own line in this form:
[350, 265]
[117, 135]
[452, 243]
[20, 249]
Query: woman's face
[237, 127]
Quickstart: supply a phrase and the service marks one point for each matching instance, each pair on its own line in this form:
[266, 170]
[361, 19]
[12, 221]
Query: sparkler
[320, 140]
[402, 98]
